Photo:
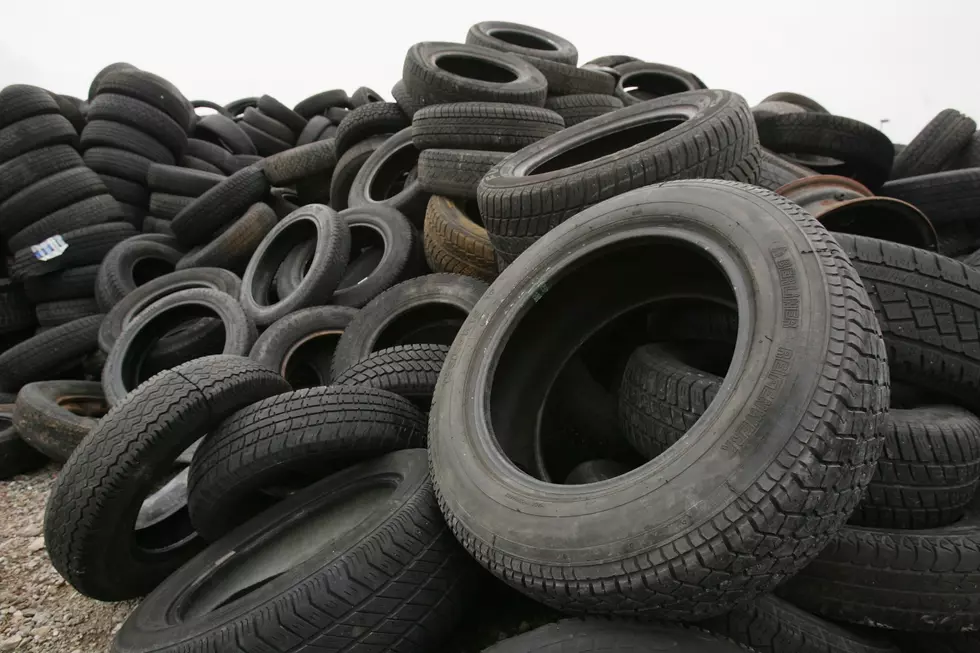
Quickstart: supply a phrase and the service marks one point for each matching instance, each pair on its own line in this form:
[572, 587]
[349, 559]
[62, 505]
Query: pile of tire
[594, 350]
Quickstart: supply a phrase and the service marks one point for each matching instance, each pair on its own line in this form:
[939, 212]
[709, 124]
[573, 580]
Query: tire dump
[535, 356]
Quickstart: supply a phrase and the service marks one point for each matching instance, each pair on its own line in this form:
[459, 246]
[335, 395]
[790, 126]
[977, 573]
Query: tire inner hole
[523, 39]
[367, 247]
[84, 406]
[150, 268]
[648, 86]
[300, 236]
[475, 68]
[435, 323]
[307, 363]
[393, 175]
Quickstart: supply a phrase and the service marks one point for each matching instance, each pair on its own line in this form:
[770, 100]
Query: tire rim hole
[94, 407]
[432, 323]
[307, 364]
[522, 39]
[477, 68]
[150, 268]
[367, 247]
[298, 238]
[649, 86]
[392, 176]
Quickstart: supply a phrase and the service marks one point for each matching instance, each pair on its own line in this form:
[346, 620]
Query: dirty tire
[522, 40]
[233, 247]
[455, 243]
[220, 205]
[578, 108]
[279, 346]
[410, 371]
[348, 166]
[298, 163]
[936, 145]
[483, 126]
[564, 79]
[47, 353]
[129, 264]
[595, 636]
[45, 423]
[376, 180]
[51, 314]
[374, 119]
[455, 173]
[640, 81]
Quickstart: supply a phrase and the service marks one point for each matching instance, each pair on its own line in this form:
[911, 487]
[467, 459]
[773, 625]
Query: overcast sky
[903, 60]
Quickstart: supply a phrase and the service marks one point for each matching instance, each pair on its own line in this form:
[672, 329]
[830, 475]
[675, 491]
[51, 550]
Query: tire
[232, 248]
[918, 297]
[51, 314]
[521, 200]
[427, 83]
[73, 283]
[313, 223]
[34, 133]
[404, 99]
[118, 163]
[89, 523]
[770, 624]
[483, 126]
[175, 180]
[300, 345]
[108, 133]
[455, 173]
[278, 111]
[799, 100]
[611, 60]
[48, 353]
[47, 196]
[265, 123]
[142, 116]
[220, 205]
[455, 243]
[593, 471]
[349, 164]
[935, 146]
[149, 89]
[129, 264]
[126, 192]
[265, 143]
[863, 152]
[178, 346]
[90, 212]
[313, 129]
[215, 155]
[424, 310]
[364, 95]
[914, 642]
[432, 584]
[94, 86]
[568, 80]
[54, 416]
[775, 171]
[923, 580]
[595, 636]
[928, 472]
[308, 433]
[313, 160]
[22, 101]
[317, 104]
[969, 156]
[194, 163]
[157, 226]
[522, 40]
[409, 371]
[649, 81]
[124, 368]
[574, 109]
[615, 521]
[207, 104]
[84, 246]
[237, 107]
[16, 312]
[373, 119]
[30, 168]
[167, 207]
[226, 133]
[379, 181]
[945, 197]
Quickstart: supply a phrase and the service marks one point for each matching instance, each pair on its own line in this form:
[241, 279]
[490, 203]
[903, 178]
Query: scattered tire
[455, 243]
[574, 109]
[54, 416]
[482, 126]
[592, 636]
[51, 314]
[232, 247]
[935, 146]
[374, 119]
[522, 40]
[47, 353]
[383, 180]
[410, 371]
[455, 173]
[349, 164]
[300, 346]
[640, 81]
[129, 264]
[220, 205]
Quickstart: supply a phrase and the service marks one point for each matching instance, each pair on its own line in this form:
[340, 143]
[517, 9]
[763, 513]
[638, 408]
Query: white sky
[903, 60]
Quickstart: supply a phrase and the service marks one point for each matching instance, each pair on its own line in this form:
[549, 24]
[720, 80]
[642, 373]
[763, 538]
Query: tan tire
[455, 243]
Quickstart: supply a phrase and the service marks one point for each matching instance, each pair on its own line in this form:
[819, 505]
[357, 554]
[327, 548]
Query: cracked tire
[455, 243]
[54, 416]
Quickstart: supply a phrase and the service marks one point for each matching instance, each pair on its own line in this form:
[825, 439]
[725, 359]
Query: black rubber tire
[167, 207]
[90, 212]
[593, 471]
[924, 580]
[225, 132]
[927, 307]
[313, 129]
[364, 95]
[73, 283]
[124, 367]
[279, 112]
[176, 348]
[16, 457]
[410, 371]
[220, 205]
[142, 116]
[232, 248]
[455, 173]
[20, 101]
[404, 99]
[348, 165]
[54, 416]
[175, 180]
[48, 353]
[915, 643]
[48, 195]
[863, 152]
[118, 163]
[16, 312]
[574, 109]
[157, 226]
[237, 107]
[89, 522]
[604, 636]
[314, 160]
[70, 108]
[483, 126]
[208, 104]
[265, 144]
[455, 243]
[150, 89]
[280, 347]
[374, 119]
[935, 147]
[119, 65]
[216, 155]
[439, 302]
[108, 133]
[610, 60]
[126, 192]
[194, 163]
[567, 281]
[265, 123]
[649, 81]
[775, 171]
[928, 472]
[945, 197]
[85, 246]
[521, 200]
[34, 133]
[427, 83]
[129, 264]
[522, 40]
[968, 157]
[317, 104]
[309, 433]
[30, 168]
[802, 101]
[771, 625]
[380, 179]
[51, 314]
[431, 584]
[568, 80]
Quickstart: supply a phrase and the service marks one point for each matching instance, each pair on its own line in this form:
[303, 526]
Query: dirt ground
[40, 612]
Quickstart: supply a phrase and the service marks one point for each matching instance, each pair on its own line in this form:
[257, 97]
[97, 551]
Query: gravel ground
[40, 612]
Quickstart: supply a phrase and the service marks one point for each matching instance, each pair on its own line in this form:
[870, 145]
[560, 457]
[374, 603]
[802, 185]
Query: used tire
[507, 354]
[410, 371]
[522, 40]
[108, 133]
[31, 167]
[374, 119]
[49, 352]
[574, 109]
[640, 81]
[935, 146]
[279, 111]
[775, 171]
[593, 636]
[167, 207]
[86, 213]
[455, 243]
[483, 126]
[317, 104]
[383, 180]
[142, 116]
[84, 246]
[118, 163]
[54, 416]
[427, 309]
[226, 132]
[455, 173]
[300, 346]
[34, 133]
[149, 88]
[51, 314]
[47, 196]
[73, 283]
[313, 160]
[233, 247]
[183, 182]
[220, 205]
[89, 527]
[349, 164]
[947, 198]
[129, 264]
[564, 79]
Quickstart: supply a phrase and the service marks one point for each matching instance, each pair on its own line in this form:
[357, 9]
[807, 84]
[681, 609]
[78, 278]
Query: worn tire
[280, 112]
[522, 40]
[129, 264]
[947, 198]
[374, 119]
[410, 371]
[348, 165]
[48, 353]
[225, 132]
[49, 195]
[456, 243]
[34, 133]
[219, 205]
[108, 133]
[455, 173]
[232, 248]
[31, 167]
[140, 115]
[483, 126]
[54, 416]
[380, 179]
[85, 246]
[640, 81]
[314, 160]
[118, 163]
[51, 314]
[574, 109]
[935, 146]
[281, 346]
